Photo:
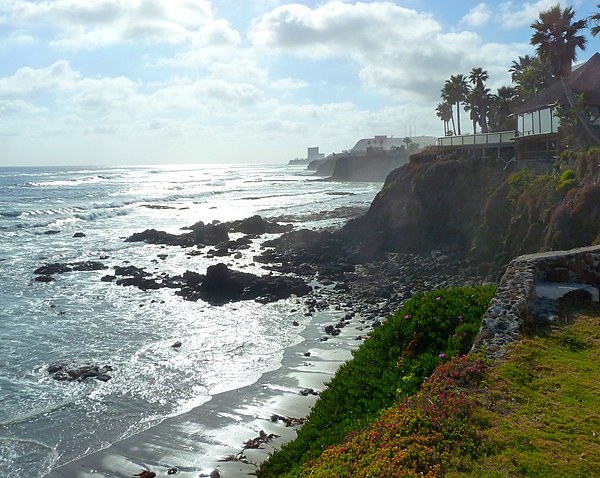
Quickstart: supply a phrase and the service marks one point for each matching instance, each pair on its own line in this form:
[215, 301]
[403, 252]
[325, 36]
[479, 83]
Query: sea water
[78, 318]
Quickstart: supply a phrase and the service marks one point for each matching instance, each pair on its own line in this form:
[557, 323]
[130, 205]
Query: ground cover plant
[542, 406]
[416, 437]
[390, 366]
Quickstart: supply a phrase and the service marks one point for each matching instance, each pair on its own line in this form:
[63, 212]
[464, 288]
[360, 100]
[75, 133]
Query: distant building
[387, 143]
[313, 154]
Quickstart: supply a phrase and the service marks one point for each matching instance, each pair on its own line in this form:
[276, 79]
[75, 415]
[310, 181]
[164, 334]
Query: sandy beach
[206, 438]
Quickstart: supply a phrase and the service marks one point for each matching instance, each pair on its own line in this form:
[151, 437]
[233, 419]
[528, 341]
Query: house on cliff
[538, 121]
[536, 136]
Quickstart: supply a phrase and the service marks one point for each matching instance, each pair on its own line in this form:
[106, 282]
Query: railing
[501, 137]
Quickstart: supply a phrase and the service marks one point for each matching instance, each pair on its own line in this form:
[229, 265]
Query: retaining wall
[504, 319]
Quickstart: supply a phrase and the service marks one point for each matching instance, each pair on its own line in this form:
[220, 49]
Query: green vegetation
[537, 414]
[391, 365]
[567, 181]
[541, 408]
[415, 437]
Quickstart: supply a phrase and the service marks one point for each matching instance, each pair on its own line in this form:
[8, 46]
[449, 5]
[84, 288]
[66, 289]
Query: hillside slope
[478, 209]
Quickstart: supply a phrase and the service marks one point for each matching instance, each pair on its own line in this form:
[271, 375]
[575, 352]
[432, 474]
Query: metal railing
[500, 137]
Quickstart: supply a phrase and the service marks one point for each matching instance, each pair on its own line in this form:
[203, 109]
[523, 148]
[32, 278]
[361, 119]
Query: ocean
[77, 318]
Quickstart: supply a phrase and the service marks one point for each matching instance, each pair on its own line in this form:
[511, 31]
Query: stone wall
[511, 306]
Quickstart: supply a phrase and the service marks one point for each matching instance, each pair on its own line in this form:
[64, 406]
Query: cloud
[331, 28]
[399, 52]
[289, 84]
[14, 107]
[479, 15]
[516, 14]
[30, 81]
[97, 23]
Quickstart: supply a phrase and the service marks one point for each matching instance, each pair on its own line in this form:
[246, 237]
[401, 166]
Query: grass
[541, 407]
[534, 414]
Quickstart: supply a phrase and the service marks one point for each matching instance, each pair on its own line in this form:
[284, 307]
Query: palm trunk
[453, 126]
[585, 122]
[458, 116]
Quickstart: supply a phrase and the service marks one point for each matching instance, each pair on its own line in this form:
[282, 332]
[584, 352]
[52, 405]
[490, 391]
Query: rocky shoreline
[339, 271]
[343, 295]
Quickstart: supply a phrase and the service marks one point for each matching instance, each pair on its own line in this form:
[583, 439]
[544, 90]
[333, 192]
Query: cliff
[373, 166]
[478, 209]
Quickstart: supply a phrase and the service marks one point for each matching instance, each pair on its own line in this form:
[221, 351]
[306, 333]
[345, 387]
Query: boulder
[58, 268]
[152, 236]
[221, 285]
[257, 225]
[70, 372]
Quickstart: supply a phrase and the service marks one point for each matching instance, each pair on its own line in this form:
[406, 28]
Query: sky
[122, 82]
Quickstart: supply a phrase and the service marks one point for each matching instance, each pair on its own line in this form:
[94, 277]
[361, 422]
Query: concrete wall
[503, 321]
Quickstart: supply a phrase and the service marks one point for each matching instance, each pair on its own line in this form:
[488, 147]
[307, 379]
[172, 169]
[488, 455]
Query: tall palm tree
[479, 103]
[556, 38]
[595, 20]
[455, 92]
[444, 112]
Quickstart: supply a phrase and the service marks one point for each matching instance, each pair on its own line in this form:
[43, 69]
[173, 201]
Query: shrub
[390, 365]
[567, 181]
[415, 437]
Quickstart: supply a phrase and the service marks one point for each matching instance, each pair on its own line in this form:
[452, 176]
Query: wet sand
[197, 442]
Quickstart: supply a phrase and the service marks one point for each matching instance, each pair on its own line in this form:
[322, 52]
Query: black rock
[79, 234]
[70, 372]
[308, 391]
[257, 225]
[50, 269]
[44, 279]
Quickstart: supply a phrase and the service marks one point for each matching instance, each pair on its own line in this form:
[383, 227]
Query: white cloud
[332, 28]
[289, 84]
[399, 52]
[30, 81]
[13, 107]
[104, 95]
[518, 14]
[244, 70]
[97, 23]
[479, 15]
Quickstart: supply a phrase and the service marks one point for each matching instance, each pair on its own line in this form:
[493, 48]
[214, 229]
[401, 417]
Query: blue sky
[156, 81]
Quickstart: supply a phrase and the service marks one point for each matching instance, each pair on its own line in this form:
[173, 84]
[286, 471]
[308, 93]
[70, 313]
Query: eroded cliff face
[477, 209]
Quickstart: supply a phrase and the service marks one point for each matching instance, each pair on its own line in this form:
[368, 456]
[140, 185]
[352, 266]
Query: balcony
[501, 138]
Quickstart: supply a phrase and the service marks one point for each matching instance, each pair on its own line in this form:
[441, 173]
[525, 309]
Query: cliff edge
[478, 208]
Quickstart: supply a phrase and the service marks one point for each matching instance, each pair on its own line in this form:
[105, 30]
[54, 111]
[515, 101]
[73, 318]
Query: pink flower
[438, 298]
[442, 355]
[407, 316]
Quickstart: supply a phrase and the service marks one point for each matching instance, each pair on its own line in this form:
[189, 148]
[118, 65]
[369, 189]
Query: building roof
[584, 79]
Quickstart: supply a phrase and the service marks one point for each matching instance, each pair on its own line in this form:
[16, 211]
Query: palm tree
[444, 112]
[530, 75]
[471, 108]
[502, 105]
[518, 68]
[595, 20]
[455, 92]
[557, 38]
[479, 98]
